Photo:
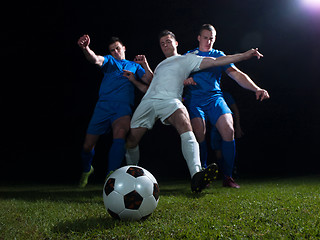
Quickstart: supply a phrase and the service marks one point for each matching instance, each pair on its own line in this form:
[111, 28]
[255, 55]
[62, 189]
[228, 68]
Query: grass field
[278, 208]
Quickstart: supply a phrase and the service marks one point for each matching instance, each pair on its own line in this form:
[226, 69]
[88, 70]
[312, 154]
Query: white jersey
[169, 75]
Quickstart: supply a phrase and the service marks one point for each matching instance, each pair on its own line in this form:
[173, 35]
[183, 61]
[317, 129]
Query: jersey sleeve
[140, 71]
[194, 62]
[106, 59]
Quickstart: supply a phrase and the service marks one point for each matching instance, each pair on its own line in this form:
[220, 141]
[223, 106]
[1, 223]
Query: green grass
[286, 208]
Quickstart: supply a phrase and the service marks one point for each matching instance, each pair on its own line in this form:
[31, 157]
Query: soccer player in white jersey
[163, 101]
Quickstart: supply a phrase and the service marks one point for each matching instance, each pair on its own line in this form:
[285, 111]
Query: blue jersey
[228, 98]
[208, 81]
[114, 86]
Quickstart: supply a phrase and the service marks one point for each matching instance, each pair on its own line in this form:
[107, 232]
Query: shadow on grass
[92, 224]
[50, 193]
[85, 225]
[74, 194]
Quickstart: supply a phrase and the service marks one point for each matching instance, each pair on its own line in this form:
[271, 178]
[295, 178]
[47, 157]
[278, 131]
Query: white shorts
[150, 110]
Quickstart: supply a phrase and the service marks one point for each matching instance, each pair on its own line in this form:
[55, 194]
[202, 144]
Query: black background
[49, 90]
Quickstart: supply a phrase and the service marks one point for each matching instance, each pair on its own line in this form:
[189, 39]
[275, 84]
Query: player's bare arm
[142, 87]
[90, 55]
[142, 60]
[245, 81]
[209, 62]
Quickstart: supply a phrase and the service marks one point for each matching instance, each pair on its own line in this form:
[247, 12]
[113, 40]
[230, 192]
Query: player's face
[206, 40]
[168, 45]
[117, 50]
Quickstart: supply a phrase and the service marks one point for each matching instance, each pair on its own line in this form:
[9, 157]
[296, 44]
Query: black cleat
[201, 179]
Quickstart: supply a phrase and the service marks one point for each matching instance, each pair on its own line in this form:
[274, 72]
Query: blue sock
[87, 160]
[228, 153]
[203, 153]
[116, 154]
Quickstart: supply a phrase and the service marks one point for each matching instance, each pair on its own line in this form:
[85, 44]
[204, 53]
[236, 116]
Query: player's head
[116, 48]
[206, 37]
[168, 43]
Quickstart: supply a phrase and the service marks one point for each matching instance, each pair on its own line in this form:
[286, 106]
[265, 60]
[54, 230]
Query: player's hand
[129, 75]
[84, 41]
[252, 53]
[141, 59]
[262, 94]
[189, 81]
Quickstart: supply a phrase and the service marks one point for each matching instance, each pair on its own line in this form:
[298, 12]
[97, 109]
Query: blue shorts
[211, 111]
[105, 113]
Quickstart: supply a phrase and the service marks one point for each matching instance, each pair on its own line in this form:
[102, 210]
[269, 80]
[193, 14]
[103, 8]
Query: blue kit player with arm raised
[116, 98]
[205, 101]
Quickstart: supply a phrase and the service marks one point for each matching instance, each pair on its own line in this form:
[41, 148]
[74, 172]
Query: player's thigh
[121, 126]
[225, 127]
[180, 120]
[199, 128]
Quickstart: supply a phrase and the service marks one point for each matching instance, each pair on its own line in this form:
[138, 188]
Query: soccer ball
[131, 193]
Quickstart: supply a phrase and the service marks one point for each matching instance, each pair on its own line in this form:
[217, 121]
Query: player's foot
[229, 182]
[84, 178]
[201, 179]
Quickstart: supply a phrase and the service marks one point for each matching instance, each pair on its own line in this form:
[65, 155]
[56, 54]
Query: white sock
[133, 156]
[190, 151]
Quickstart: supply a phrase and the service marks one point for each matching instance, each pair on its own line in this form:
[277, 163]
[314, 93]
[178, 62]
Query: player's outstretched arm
[142, 60]
[208, 62]
[90, 55]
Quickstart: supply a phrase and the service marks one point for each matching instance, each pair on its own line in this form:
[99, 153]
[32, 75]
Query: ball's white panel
[119, 172]
[114, 202]
[124, 183]
[144, 186]
[148, 205]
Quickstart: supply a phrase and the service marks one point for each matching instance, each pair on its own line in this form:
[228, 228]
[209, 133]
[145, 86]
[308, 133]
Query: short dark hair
[165, 33]
[208, 27]
[113, 40]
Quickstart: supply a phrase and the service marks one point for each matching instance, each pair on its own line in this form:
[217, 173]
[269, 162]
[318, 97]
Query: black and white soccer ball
[131, 193]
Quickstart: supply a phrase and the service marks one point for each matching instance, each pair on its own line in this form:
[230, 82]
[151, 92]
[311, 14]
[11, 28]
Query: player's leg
[189, 145]
[199, 129]
[190, 150]
[99, 124]
[143, 119]
[87, 155]
[120, 128]
[134, 137]
[224, 125]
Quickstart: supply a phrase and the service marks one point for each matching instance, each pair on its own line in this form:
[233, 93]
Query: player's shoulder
[194, 51]
[108, 57]
[217, 53]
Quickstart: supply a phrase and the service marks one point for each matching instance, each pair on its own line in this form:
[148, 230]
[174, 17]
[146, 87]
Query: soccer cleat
[201, 179]
[84, 178]
[229, 182]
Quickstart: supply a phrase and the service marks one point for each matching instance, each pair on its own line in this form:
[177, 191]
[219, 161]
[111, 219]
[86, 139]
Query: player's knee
[183, 126]
[88, 147]
[131, 142]
[228, 133]
[120, 133]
